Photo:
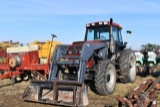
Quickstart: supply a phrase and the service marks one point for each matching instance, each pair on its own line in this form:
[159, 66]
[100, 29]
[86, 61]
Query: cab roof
[102, 23]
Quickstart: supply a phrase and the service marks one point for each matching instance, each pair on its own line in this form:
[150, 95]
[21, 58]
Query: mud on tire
[105, 77]
[127, 64]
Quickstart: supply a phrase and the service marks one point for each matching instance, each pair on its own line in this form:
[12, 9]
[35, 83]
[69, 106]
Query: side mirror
[125, 43]
[128, 32]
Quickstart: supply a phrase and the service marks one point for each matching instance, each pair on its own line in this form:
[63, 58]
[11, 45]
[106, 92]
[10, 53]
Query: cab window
[120, 36]
[115, 33]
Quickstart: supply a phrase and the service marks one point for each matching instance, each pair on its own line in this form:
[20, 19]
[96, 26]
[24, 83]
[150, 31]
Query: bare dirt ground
[10, 96]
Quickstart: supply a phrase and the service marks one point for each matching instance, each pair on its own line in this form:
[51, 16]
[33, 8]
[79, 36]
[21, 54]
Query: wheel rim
[60, 75]
[110, 77]
[25, 76]
[18, 78]
[132, 68]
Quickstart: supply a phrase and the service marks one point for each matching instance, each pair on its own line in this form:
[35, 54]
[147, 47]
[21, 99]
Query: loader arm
[81, 60]
[87, 52]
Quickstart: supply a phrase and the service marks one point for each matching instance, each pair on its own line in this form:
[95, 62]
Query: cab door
[120, 40]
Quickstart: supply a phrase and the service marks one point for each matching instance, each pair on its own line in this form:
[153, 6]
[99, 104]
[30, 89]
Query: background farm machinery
[24, 62]
[44, 49]
[3, 50]
[147, 60]
[3, 47]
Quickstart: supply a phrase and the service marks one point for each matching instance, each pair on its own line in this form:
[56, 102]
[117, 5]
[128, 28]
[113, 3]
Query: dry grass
[121, 89]
[11, 95]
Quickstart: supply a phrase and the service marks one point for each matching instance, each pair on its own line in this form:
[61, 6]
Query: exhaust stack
[112, 43]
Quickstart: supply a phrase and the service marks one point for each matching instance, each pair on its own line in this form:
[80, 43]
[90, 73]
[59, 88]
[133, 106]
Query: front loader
[101, 58]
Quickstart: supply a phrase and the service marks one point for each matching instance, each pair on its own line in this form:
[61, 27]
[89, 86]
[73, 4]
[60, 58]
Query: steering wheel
[102, 37]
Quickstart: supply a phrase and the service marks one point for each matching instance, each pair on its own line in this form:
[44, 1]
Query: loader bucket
[67, 93]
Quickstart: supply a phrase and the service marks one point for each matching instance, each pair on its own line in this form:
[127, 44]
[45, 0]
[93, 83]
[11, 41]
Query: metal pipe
[53, 36]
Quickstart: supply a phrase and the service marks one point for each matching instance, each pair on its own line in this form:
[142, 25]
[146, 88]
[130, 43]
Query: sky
[29, 20]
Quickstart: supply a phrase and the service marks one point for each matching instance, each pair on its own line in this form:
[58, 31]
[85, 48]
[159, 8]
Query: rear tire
[25, 76]
[105, 77]
[127, 64]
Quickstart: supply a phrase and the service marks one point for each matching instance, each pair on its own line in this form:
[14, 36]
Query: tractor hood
[82, 42]
[78, 42]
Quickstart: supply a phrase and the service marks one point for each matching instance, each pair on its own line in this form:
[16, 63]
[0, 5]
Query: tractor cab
[100, 31]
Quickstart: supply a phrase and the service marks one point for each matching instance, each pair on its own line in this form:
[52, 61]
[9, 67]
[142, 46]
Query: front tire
[105, 77]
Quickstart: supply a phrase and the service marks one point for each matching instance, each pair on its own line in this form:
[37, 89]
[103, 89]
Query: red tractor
[101, 58]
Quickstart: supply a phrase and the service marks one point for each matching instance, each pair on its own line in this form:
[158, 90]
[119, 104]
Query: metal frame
[80, 59]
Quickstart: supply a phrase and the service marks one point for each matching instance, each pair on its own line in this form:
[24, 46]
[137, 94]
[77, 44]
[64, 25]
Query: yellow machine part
[5, 44]
[44, 48]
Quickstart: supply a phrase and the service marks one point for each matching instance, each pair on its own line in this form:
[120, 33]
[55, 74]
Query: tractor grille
[74, 49]
[70, 54]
